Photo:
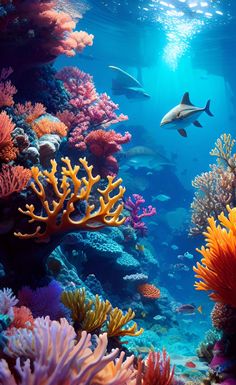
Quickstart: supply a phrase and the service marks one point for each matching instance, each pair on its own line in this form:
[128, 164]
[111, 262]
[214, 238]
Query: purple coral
[137, 213]
[44, 301]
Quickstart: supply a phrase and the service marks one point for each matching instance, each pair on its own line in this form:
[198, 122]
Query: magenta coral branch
[137, 213]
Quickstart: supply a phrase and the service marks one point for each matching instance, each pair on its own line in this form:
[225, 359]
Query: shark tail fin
[207, 108]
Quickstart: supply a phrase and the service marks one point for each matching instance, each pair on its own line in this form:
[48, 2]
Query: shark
[143, 157]
[125, 84]
[184, 114]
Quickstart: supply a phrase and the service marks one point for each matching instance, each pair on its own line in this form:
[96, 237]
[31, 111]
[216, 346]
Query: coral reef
[216, 188]
[40, 31]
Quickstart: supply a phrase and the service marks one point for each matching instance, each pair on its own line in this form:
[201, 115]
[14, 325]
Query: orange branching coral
[217, 270]
[62, 214]
[13, 179]
[7, 150]
[45, 126]
[149, 291]
[118, 320]
[31, 111]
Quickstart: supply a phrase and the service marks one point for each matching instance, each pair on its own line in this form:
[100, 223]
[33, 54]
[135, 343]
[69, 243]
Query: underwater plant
[61, 214]
[216, 188]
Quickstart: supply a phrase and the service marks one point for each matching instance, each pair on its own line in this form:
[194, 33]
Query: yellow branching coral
[217, 270]
[91, 315]
[96, 317]
[61, 215]
[76, 301]
[87, 314]
[118, 320]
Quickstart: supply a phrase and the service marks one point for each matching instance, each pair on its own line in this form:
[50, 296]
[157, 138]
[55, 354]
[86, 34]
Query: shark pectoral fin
[182, 132]
[197, 124]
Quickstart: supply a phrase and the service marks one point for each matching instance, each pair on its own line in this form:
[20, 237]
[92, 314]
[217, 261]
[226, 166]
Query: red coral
[13, 179]
[157, 370]
[103, 144]
[149, 291]
[23, 318]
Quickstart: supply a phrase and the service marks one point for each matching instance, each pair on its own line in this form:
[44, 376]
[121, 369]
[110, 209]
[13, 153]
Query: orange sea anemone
[149, 291]
[217, 270]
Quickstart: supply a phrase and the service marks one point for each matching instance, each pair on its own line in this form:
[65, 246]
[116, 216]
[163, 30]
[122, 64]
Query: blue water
[171, 47]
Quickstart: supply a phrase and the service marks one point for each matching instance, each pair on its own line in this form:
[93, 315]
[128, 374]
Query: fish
[188, 309]
[125, 84]
[174, 247]
[139, 247]
[190, 364]
[184, 114]
[159, 317]
[143, 157]
[161, 198]
[186, 255]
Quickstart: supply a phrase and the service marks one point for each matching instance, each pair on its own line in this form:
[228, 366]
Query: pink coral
[89, 110]
[7, 149]
[30, 111]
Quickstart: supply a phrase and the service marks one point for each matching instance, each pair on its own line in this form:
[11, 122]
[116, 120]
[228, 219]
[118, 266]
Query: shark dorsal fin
[186, 100]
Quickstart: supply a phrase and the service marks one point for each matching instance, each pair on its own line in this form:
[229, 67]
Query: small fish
[174, 247]
[139, 247]
[186, 255]
[159, 317]
[188, 309]
[184, 114]
[165, 244]
[125, 84]
[190, 364]
[161, 198]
